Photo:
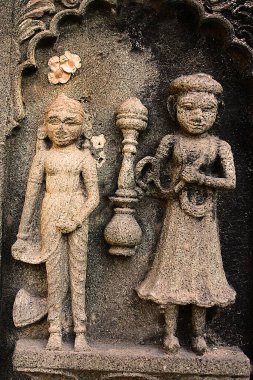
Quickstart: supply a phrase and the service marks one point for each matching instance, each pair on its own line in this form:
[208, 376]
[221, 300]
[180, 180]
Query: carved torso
[65, 189]
[193, 151]
[63, 171]
[196, 200]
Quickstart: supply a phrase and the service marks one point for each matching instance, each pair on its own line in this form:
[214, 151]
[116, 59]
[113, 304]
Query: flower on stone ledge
[63, 67]
[70, 62]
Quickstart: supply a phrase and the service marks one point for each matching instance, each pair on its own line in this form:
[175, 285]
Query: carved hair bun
[195, 83]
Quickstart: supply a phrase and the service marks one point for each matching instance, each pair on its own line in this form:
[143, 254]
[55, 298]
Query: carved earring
[171, 106]
[41, 137]
[42, 133]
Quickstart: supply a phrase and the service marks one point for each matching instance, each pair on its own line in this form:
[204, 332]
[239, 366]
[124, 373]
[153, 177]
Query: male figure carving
[71, 195]
[188, 266]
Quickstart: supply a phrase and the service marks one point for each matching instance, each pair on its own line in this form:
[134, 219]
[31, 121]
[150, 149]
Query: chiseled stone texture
[30, 356]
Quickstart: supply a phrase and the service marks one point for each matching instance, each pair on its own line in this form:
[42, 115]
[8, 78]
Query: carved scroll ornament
[239, 13]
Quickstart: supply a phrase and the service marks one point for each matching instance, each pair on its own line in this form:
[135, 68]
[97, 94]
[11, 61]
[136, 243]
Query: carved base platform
[122, 362]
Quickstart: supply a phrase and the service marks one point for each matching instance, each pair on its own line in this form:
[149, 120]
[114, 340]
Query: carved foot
[81, 343]
[199, 345]
[171, 344]
[54, 342]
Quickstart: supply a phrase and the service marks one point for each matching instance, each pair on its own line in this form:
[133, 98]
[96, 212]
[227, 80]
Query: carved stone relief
[124, 331]
[34, 25]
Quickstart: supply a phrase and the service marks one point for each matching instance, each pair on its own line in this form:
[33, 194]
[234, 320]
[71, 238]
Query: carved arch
[239, 50]
[217, 24]
[30, 54]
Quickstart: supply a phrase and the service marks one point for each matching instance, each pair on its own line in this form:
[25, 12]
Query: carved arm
[90, 179]
[164, 149]
[35, 179]
[227, 162]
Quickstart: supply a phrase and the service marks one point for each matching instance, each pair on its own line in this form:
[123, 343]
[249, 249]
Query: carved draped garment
[64, 197]
[188, 268]
[70, 177]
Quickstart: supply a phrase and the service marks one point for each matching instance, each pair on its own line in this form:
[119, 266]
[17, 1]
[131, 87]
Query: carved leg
[57, 278]
[78, 241]
[171, 343]
[198, 329]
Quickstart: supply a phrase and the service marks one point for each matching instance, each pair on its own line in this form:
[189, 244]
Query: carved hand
[67, 226]
[18, 248]
[191, 175]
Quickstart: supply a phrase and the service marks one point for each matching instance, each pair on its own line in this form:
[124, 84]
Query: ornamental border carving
[37, 31]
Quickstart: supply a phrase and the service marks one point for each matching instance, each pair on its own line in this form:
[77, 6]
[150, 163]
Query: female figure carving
[70, 196]
[188, 267]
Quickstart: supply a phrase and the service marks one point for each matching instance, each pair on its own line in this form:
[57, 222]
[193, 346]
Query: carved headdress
[195, 83]
[64, 102]
[199, 82]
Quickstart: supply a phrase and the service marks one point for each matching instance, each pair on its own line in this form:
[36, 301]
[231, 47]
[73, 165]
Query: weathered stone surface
[31, 356]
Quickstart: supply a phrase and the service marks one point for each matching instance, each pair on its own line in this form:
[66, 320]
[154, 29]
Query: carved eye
[72, 121]
[54, 121]
[208, 109]
[188, 107]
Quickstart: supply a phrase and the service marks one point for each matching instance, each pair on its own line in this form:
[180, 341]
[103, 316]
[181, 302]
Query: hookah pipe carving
[123, 232]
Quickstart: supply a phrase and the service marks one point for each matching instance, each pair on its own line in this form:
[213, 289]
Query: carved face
[63, 127]
[196, 112]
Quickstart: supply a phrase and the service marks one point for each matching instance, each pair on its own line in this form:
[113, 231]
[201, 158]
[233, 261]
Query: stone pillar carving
[123, 232]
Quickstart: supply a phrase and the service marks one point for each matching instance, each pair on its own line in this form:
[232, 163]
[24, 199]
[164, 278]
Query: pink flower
[70, 62]
[57, 75]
